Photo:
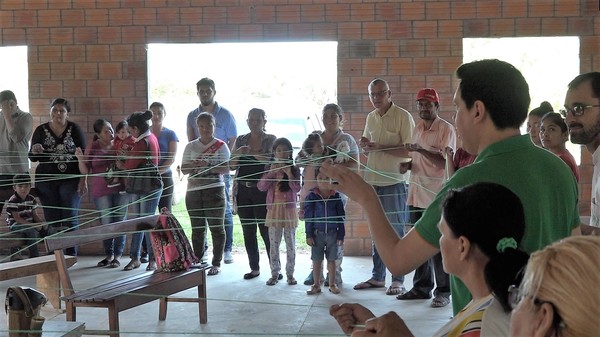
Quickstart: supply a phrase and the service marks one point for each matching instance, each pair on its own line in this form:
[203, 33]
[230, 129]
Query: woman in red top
[145, 145]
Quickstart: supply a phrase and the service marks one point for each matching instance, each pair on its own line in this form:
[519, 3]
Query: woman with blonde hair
[559, 295]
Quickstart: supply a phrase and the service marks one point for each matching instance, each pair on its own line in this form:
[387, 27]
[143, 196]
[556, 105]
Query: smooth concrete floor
[238, 307]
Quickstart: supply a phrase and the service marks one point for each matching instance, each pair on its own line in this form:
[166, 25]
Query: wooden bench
[45, 270]
[126, 293]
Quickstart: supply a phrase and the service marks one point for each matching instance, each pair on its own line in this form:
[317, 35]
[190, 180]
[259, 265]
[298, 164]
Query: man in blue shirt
[225, 130]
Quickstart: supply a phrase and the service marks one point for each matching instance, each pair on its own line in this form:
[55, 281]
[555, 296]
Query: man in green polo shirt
[491, 102]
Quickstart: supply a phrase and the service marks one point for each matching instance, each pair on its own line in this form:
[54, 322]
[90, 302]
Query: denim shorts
[325, 245]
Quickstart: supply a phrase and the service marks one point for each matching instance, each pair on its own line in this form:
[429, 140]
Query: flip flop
[369, 284]
[213, 271]
[395, 290]
[440, 301]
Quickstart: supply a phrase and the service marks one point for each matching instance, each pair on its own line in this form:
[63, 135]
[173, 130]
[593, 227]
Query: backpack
[172, 249]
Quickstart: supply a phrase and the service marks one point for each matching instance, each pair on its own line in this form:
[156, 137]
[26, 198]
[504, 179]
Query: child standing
[309, 159]
[122, 144]
[22, 216]
[282, 184]
[324, 220]
[554, 134]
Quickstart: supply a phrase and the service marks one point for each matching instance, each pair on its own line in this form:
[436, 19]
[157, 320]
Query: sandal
[369, 284]
[313, 290]
[103, 263]
[334, 290]
[291, 281]
[114, 264]
[395, 290]
[272, 281]
[440, 301]
[152, 266]
[133, 264]
[213, 271]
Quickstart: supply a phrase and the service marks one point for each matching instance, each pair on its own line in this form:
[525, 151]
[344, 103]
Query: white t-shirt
[216, 153]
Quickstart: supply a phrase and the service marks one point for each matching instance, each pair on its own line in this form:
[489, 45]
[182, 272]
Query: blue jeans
[112, 208]
[60, 202]
[142, 205]
[393, 201]
[29, 232]
[228, 216]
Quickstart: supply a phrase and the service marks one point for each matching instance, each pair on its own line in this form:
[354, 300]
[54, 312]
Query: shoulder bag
[145, 178]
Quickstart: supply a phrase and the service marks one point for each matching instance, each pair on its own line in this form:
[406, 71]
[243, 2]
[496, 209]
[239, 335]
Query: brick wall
[93, 52]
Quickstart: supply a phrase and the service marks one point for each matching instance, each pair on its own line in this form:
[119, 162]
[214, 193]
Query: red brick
[13, 36]
[450, 29]
[387, 12]
[72, 17]
[325, 31]
[39, 71]
[477, 28]
[374, 66]
[400, 66]
[49, 18]
[362, 12]
[110, 70]
[203, 33]
[349, 67]
[133, 34]
[179, 34]
[373, 30]
[412, 48]
[131, 3]
[169, 16]
[580, 26]
[264, 14]
[227, 33]
[412, 84]
[312, 13]
[190, 16]
[300, 31]
[144, 16]
[85, 35]
[273, 31]
[97, 53]
[554, 26]
[109, 35]
[413, 11]
[121, 53]
[488, 9]
[238, 15]
[120, 17]
[448, 65]
[112, 106]
[26, 18]
[397, 30]
[96, 17]
[86, 71]
[158, 3]
[134, 70]
[514, 8]
[84, 4]
[182, 3]
[443, 85]
[287, 13]
[249, 33]
[214, 15]
[463, 10]
[157, 34]
[589, 45]
[122, 88]
[572, 7]
[7, 19]
[60, 36]
[48, 54]
[38, 36]
[437, 47]
[132, 104]
[75, 53]
[540, 8]
[74, 88]
[502, 27]
[61, 71]
[35, 4]
[528, 27]
[425, 66]
[424, 29]
[387, 48]
[98, 88]
[437, 10]
[349, 30]
[61, 4]
[49, 89]
[337, 12]
[12, 4]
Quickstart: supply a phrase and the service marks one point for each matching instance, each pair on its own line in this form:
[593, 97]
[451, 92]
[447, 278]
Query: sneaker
[228, 258]
[309, 280]
[291, 281]
[272, 281]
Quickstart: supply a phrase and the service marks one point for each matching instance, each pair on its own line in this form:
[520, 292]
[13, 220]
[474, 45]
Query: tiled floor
[238, 307]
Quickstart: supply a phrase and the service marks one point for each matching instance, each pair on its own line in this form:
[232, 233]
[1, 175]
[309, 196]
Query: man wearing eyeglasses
[582, 113]
[431, 137]
[16, 127]
[387, 128]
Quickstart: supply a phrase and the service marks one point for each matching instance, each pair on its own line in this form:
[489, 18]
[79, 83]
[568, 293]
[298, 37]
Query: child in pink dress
[282, 183]
[554, 134]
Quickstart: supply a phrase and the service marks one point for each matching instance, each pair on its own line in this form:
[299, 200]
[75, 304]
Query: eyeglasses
[515, 296]
[576, 110]
[381, 93]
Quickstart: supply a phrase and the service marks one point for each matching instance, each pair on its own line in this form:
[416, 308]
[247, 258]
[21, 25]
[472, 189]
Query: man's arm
[400, 255]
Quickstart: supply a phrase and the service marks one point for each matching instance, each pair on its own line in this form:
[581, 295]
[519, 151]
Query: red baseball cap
[428, 94]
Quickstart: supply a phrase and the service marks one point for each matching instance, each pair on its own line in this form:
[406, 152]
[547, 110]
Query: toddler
[122, 144]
